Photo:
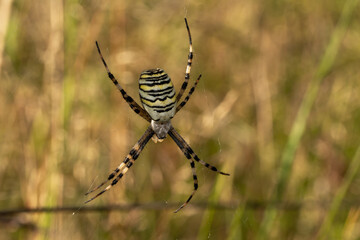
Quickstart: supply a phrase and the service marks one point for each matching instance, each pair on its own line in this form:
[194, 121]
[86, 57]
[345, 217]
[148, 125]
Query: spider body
[157, 95]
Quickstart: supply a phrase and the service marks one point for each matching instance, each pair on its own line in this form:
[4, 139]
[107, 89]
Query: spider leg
[126, 164]
[186, 149]
[182, 104]
[133, 105]
[113, 174]
[189, 153]
[192, 164]
[188, 66]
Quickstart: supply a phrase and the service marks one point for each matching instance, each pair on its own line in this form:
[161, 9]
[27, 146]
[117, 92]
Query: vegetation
[278, 107]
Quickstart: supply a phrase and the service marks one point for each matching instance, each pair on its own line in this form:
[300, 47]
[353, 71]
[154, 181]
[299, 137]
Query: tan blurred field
[278, 107]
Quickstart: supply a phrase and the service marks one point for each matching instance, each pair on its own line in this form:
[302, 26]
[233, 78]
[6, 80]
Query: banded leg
[182, 104]
[192, 164]
[133, 105]
[188, 66]
[126, 164]
[186, 149]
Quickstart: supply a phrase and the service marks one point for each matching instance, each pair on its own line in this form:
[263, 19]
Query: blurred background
[277, 108]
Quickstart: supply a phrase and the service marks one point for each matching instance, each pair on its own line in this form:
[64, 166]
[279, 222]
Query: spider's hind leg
[182, 104]
[188, 66]
[133, 105]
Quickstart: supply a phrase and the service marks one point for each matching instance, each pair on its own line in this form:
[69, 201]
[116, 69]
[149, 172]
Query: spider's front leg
[196, 185]
[189, 153]
[125, 165]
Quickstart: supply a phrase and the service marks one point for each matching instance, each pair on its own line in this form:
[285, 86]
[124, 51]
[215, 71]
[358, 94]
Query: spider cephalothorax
[157, 95]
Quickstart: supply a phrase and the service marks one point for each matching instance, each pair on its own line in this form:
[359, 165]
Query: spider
[157, 95]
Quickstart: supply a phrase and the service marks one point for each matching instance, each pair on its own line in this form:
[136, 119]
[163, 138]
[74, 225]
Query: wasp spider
[157, 95]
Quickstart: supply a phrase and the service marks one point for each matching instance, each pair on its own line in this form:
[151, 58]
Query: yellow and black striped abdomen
[157, 94]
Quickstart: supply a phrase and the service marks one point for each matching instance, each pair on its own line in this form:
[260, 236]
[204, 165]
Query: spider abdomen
[157, 94]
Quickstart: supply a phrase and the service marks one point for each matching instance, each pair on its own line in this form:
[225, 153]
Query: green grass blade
[349, 177]
[298, 128]
[235, 232]
[205, 229]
